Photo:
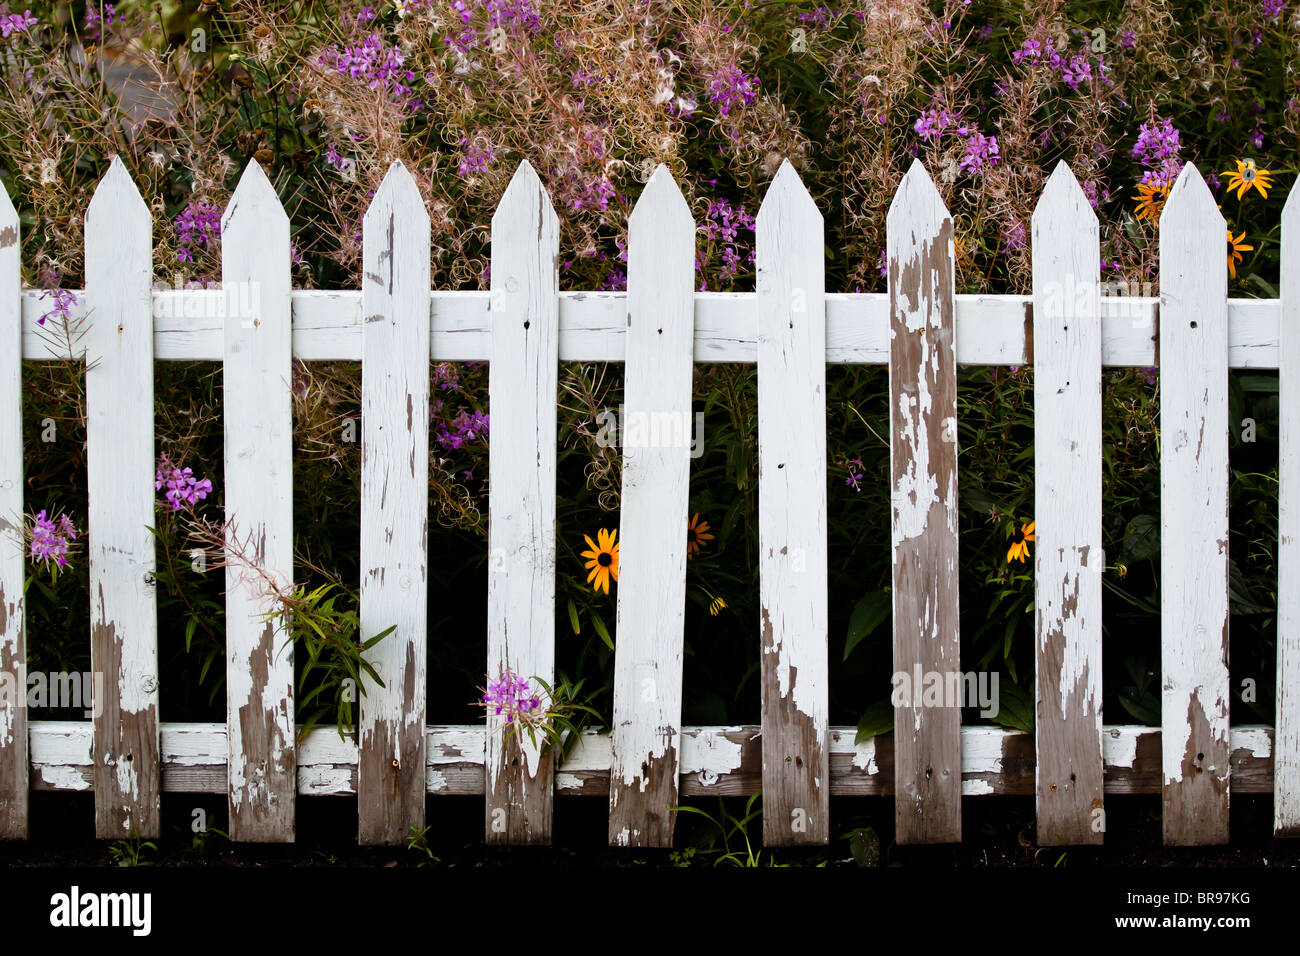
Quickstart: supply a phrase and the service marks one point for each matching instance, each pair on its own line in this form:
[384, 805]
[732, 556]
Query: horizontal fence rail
[1071, 327]
[715, 761]
[991, 330]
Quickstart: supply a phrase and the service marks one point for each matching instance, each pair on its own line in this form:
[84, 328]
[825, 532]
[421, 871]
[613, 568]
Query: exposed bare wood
[652, 522]
[394, 508]
[990, 328]
[792, 513]
[1067, 514]
[259, 504]
[523, 381]
[1194, 513]
[923, 464]
[13, 638]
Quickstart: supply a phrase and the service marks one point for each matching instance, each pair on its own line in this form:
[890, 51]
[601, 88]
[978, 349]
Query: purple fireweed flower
[1128, 39]
[14, 22]
[1013, 235]
[478, 156]
[182, 487]
[856, 471]
[50, 539]
[933, 122]
[342, 163]
[724, 223]
[375, 61]
[197, 227]
[64, 299]
[1030, 50]
[1157, 148]
[511, 695]
[981, 150]
[1077, 71]
[466, 427]
[732, 87]
[1272, 9]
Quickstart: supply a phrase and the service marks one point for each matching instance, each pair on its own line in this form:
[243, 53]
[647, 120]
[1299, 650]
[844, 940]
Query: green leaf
[573, 618]
[1142, 538]
[864, 844]
[876, 720]
[599, 625]
[1142, 706]
[1015, 707]
[873, 610]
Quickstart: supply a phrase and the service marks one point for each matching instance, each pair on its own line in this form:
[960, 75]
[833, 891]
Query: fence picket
[394, 508]
[1286, 754]
[923, 461]
[262, 784]
[646, 734]
[792, 513]
[523, 383]
[120, 470]
[13, 643]
[1067, 514]
[1194, 514]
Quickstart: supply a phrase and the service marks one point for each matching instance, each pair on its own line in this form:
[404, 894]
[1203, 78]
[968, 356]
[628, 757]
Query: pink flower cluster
[14, 22]
[1076, 69]
[197, 227]
[1157, 149]
[182, 487]
[50, 539]
[511, 695]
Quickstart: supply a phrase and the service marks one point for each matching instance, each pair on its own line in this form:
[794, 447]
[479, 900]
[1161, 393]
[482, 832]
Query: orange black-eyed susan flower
[697, 535]
[602, 559]
[1151, 200]
[1019, 549]
[1248, 176]
[1235, 248]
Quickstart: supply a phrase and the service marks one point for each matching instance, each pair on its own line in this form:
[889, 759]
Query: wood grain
[523, 390]
[792, 513]
[923, 464]
[1068, 561]
[120, 469]
[13, 638]
[259, 511]
[1194, 514]
[646, 732]
[394, 508]
[1286, 760]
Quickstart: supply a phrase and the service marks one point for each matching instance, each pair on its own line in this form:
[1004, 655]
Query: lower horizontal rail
[715, 761]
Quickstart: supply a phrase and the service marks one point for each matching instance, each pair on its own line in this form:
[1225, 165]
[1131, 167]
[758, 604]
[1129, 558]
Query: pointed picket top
[1063, 198]
[1191, 204]
[255, 192]
[398, 191]
[524, 192]
[661, 200]
[118, 194]
[787, 196]
[917, 198]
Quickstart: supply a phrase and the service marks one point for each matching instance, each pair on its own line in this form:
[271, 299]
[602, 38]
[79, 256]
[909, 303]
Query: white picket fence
[790, 328]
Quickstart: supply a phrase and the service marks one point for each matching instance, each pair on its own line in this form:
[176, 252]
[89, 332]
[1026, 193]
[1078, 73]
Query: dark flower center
[605, 559]
[1018, 537]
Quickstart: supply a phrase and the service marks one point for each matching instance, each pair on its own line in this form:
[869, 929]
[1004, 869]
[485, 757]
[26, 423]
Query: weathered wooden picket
[790, 328]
